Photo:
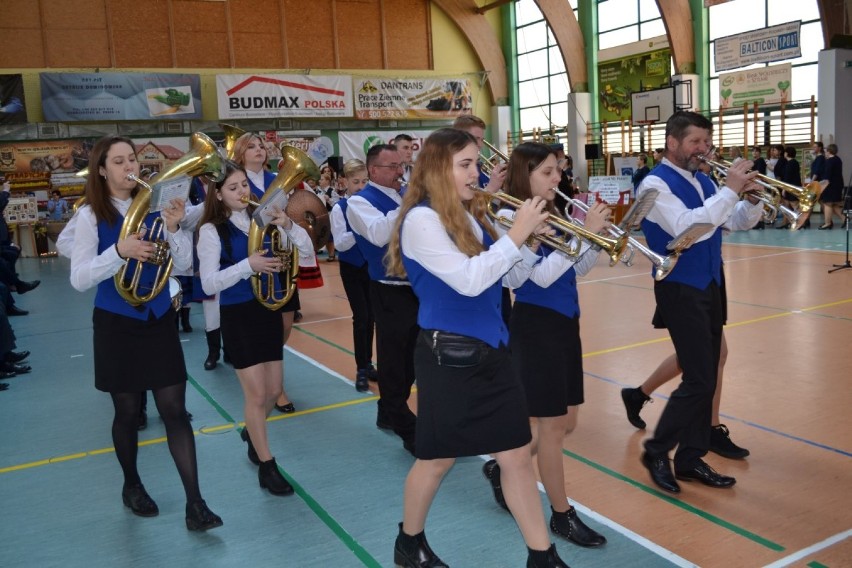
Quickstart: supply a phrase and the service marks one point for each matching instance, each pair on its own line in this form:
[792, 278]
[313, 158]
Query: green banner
[619, 78]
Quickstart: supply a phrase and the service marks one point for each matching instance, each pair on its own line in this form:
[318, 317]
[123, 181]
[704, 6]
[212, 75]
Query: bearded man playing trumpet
[689, 300]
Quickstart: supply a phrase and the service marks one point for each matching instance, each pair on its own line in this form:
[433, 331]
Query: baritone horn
[295, 167]
[232, 133]
[203, 158]
[565, 229]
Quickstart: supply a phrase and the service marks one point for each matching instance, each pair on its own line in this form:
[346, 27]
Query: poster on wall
[276, 96]
[774, 43]
[379, 98]
[13, 109]
[44, 156]
[355, 144]
[767, 85]
[628, 69]
[67, 97]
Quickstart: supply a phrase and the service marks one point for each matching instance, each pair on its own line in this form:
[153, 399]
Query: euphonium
[231, 134]
[269, 240]
[295, 167]
[565, 230]
[203, 158]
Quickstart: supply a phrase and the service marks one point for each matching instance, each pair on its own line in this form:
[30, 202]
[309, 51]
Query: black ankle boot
[272, 480]
[252, 453]
[414, 552]
[491, 471]
[569, 526]
[214, 342]
[135, 497]
[634, 400]
[184, 319]
[545, 558]
[200, 518]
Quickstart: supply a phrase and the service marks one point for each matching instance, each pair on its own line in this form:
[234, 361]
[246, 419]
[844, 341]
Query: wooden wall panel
[359, 34]
[266, 34]
[256, 32]
[407, 32]
[310, 34]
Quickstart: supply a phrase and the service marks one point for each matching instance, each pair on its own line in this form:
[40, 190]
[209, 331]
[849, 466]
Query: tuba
[203, 158]
[295, 167]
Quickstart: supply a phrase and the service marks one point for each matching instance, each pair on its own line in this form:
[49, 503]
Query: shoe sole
[193, 526]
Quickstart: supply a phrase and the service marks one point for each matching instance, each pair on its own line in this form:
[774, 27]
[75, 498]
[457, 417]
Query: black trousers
[356, 283]
[395, 308]
[694, 320]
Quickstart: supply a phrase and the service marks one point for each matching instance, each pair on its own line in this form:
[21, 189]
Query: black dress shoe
[634, 400]
[139, 501]
[545, 558]
[24, 287]
[706, 475]
[661, 472]
[288, 408]
[252, 453]
[491, 471]
[372, 375]
[199, 517]
[414, 552]
[362, 382]
[16, 368]
[16, 311]
[272, 480]
[721, 443]
[569, 526]
[16, 356]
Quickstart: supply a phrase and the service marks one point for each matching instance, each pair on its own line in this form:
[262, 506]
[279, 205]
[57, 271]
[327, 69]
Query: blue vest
[374, 255]
[483, 177]
[352, 256]
[561, 296]
[702, 262]
[107, 297]
[241, 291]
[259, 191]
[444, 309]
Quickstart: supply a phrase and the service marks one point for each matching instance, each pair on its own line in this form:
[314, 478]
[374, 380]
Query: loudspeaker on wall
[594, 152]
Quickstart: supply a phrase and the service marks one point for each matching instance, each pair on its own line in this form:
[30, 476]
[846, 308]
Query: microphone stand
[847, 209]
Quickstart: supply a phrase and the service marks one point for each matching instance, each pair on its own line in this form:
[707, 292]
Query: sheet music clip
[688, 236]
[162, 193]
[641, 207]
[269, 205]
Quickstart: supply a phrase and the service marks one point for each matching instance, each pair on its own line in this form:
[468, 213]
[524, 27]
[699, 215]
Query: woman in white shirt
[252, 332]
[469, 399]
[126, 336]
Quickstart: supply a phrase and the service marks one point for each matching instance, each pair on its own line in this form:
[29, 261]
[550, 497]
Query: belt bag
[457, 351]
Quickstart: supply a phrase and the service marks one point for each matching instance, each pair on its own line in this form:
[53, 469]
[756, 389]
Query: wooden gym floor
[786, 398]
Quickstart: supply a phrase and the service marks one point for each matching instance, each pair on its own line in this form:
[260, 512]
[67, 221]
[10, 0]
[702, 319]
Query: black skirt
[133, 355]
[251, 333]
[468, 411]
[548, 357]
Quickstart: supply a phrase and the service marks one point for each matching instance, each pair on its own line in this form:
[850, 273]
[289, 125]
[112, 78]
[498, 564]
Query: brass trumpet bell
[231, 134]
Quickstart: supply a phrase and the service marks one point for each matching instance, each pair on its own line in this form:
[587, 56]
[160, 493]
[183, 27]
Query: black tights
[171, 405]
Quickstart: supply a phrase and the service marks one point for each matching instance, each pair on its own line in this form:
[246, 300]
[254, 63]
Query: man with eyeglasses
[372, 214]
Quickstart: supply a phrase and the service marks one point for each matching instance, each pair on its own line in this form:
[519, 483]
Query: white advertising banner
[276, 96]
[354, 144]
[759, 46]
[379, 98]
[767, 85]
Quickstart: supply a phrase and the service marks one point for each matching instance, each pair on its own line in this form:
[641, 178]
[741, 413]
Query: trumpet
[770, 195]
[663, 265]
[489, 163]
[565, 229]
